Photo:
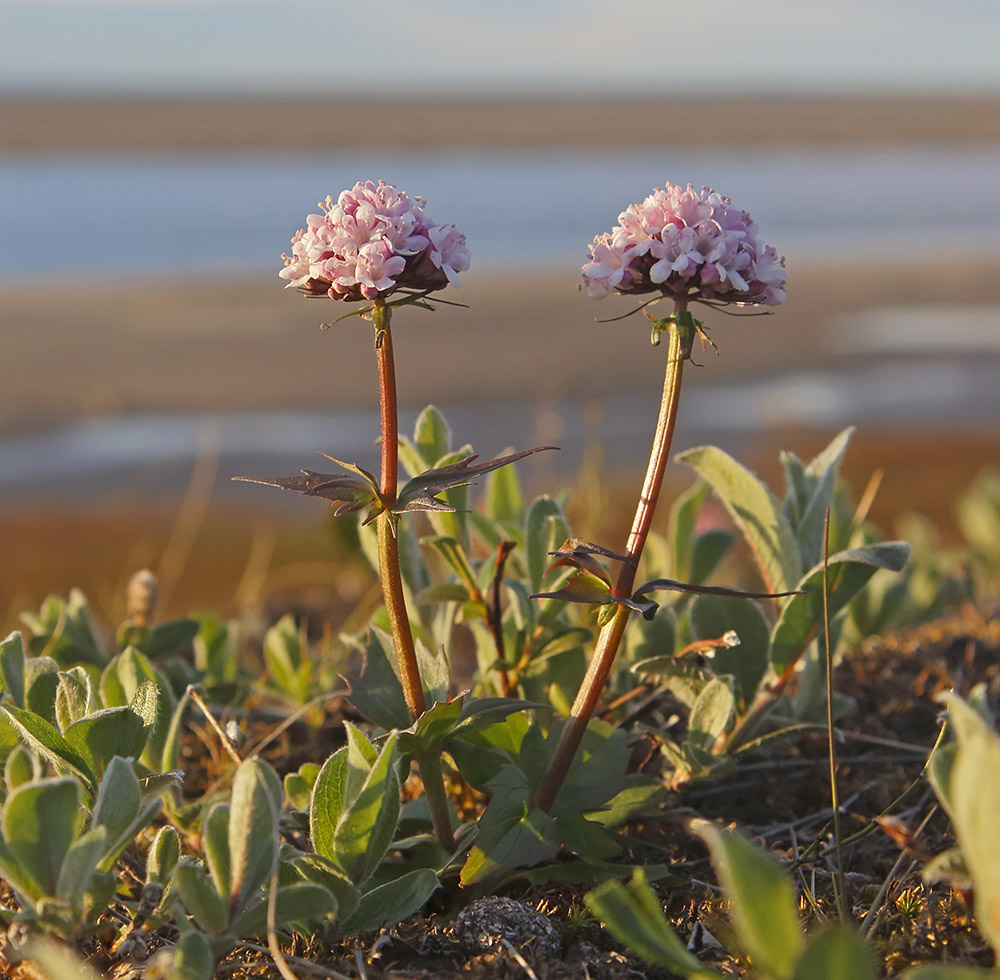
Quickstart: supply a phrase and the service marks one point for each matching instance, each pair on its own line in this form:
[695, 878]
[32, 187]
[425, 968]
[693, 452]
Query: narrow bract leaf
[419, 492]
[755, 510]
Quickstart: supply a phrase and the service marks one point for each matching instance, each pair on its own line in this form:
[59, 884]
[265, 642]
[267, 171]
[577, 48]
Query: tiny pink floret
[687, 244]
[371, 242]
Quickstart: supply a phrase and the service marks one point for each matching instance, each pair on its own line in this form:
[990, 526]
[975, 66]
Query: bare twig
[227, 742]
[521, 961]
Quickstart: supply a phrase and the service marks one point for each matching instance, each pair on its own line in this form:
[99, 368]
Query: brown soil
[146, 124]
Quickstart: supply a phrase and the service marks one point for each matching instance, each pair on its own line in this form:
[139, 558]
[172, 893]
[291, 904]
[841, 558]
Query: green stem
[392, 579]
[681, 334]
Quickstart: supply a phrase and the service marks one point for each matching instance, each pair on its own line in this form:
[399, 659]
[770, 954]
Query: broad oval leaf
[253, 828]
[392, 902]
[836, 954]
[975, 803]
[763, 901]
[107, 733]
[39, 824]
[632, 914]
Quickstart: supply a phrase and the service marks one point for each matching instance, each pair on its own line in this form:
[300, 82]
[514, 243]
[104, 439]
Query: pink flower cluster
[373, 241]
[689, 245]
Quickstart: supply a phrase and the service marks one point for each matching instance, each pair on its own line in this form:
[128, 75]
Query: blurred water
[114, 216]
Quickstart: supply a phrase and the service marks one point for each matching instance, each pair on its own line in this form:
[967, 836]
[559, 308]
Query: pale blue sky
[461, 45]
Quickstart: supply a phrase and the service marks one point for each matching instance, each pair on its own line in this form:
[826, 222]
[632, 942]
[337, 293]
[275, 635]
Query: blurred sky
[458, 46]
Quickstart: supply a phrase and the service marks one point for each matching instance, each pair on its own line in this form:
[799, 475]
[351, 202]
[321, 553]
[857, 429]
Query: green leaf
[299, 785]
[452, 552]
[836, 954]
[287, 659]
[41, 685]
[57, 961]
[215, 844]
[598, 770]
[118, 799]
[642, 794]
[545, 529]
[975, 803]
[62, 628]
[74, 696]
[199, 897]
[820, 483]
[318, 869]
[299, 903]
[504, 502]
[21, 766]
[101, 736]
[12, 668]
[633, 916]
[681, 529]
[161, 642]
[711, 713]
[763, 901]
[802, 616]
[431, 435]
[513, 833]
[710, 548]
[163, 856]
[192, 958]
[431, 728]
[392, 902]
[80, 865]
[712, 616]
[39, 823]
[39, 734]
[378, 693]
[253, 828]
[755, 511]
[355, 807]
[121, 682]
[938, 971]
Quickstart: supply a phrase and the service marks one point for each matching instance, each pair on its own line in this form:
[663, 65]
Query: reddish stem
[429, 764]
[611, 635]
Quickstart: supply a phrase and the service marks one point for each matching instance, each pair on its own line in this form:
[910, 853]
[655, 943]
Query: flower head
[371, 242]
[689, 245]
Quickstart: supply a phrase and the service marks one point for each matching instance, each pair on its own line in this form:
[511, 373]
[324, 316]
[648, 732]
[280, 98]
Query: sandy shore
[347, 122]
[91, 349]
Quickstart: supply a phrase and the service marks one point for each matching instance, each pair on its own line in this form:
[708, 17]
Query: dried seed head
[141, 596]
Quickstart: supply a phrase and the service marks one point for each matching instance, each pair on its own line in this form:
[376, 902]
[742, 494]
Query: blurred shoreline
[211, 123]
